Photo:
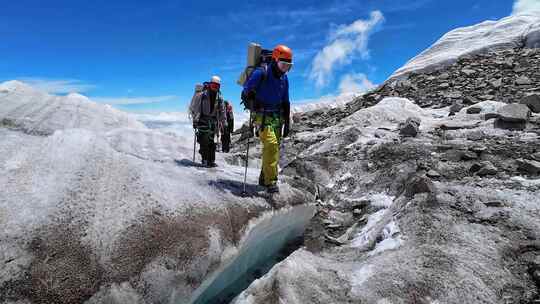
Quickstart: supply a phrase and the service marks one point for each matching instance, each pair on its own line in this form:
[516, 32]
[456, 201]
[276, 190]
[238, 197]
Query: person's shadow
[237, 188]
[187, 163]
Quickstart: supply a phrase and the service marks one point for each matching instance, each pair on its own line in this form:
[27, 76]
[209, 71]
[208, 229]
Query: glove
[286, 129]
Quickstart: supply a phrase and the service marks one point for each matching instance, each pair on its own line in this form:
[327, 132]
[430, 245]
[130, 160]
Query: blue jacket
[270, 90]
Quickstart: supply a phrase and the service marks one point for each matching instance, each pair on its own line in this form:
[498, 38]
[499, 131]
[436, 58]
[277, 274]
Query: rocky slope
[444, 212]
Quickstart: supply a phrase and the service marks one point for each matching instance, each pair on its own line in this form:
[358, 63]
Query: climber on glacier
[267, 89]
[227, 130]
[207, 111]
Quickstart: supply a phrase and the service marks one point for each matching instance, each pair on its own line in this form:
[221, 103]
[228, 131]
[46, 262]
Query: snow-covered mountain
[510, 32]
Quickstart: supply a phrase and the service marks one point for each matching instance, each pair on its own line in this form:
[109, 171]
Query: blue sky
[147, 55]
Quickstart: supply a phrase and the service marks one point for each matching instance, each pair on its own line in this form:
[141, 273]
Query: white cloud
[345, 42]
[58, 86]
[134, 100]
[526, 6]
[355, 83]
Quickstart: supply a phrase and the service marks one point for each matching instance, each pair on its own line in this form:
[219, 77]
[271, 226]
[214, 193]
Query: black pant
[226, 141]
[205, 137]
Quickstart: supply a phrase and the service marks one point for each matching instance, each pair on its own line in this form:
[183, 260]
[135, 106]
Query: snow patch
[488, 106]
[526, 182]
[387, 113]
[366, 234]
[359, 277]
[324, 103]
[392, 239]
[380, 200]
[509, 32]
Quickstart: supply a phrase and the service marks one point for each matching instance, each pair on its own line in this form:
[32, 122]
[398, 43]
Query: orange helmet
[283, 53]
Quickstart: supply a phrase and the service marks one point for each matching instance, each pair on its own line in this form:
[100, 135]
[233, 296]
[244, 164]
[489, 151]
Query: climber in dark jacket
[208, 112]
[228, 129]
[269, 88]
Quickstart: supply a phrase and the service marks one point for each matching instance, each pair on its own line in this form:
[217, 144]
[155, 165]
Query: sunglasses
[284, 66]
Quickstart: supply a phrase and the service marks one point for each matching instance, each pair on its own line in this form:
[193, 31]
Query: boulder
[453, 95]
[444, 85]
[513, 126]
[410, 128]
[469, 155]
[404, 84]
[489, 116]
[433, 174]
[509, 63]
[523, 80]
[419, 184]
[532, 101]
[529, 166]
[468, 72]
[474, 110]
[486, 168]
[516, 113]
[496, 83]
[470, 100]
[456, 107]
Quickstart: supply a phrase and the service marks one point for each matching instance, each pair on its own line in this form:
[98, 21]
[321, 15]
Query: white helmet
[215, 79]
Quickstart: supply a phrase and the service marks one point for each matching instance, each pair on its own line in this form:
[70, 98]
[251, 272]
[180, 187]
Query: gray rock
[496, 83]
[487, 168]
[444, 76]
[486, 97]
[532, 101]
[444, 85]
[536, 156]
[468, 72]
[404, 84]
[453, 95]
[470, 100]
[410, 128]
[515, 113]
[456, 107]
[468, 155]
[529, 166]
[509, 63]
[514, 126]
[433, 174]
[495, 204]
[476, 135]
[523, 80]
[489, 116]
[474, 110]
[419, 184]
[479, 149]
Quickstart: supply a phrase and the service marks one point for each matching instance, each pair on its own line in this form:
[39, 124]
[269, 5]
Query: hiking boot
[212, 165]
[204, 163]
[272, 189]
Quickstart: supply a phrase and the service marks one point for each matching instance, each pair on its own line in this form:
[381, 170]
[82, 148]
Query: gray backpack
[195, 107]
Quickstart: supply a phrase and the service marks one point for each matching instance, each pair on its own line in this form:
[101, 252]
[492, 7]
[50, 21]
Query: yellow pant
[270, 154]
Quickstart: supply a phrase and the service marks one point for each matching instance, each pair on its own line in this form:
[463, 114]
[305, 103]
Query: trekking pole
[247, 156]
[194, 143]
